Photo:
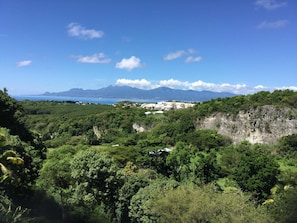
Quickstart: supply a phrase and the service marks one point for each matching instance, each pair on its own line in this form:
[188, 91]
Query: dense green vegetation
[69, 162]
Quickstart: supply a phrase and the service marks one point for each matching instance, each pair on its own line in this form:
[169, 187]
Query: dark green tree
[204, 168]
[257, 173]
[229, 159]
[288, 145]
[207, 139]
[178, 161]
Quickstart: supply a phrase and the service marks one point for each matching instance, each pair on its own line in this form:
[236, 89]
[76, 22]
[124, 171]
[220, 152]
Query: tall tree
[97, 180]
[257, 173]
[178, 160]
[204, 168]
[132, 184]
[55, 177]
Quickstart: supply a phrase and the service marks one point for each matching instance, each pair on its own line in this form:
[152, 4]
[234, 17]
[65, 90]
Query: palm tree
[8, 158]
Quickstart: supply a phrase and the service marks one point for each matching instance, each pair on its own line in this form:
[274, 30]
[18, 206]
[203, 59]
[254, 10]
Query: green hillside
[69, 162]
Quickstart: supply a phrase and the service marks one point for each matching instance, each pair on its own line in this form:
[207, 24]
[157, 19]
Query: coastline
[108, 101]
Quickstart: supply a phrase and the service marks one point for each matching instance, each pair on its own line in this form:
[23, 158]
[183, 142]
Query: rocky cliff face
[264, 124]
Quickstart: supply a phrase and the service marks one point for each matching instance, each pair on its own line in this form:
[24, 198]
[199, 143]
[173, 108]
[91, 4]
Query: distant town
[158, 107]
[168, 105]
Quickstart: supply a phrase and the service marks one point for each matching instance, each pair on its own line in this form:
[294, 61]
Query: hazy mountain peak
[160, 93]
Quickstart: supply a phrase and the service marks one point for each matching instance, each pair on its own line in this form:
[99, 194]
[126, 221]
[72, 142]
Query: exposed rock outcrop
[97, 132]
[139, 128]
[264, 124]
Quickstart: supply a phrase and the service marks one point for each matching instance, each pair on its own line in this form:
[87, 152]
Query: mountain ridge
[126, 92]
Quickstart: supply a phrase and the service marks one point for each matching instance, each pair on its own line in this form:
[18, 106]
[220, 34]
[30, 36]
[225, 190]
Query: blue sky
[240, 46]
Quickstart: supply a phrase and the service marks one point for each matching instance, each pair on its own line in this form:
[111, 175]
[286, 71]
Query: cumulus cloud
[272, 25]
[79, 31]
[171, 83]
[138, 83]
[270, 4]
[198, 85]
[95, 58]
[129, 63]
[23, 63]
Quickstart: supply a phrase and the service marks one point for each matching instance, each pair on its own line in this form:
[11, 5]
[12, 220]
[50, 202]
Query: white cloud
[171, 83]
[95, 58]
[129, 63]
[174, 55]
[23, 63]
[293, 88]
[77, 30]
[198, 85]
[272, 25]
[270, 4]
[193, 59]
[143, 83]
[181, 53]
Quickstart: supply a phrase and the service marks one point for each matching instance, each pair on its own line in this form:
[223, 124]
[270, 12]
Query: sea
[108, 101]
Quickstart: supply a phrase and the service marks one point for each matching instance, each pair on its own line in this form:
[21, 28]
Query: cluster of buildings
[165, 106]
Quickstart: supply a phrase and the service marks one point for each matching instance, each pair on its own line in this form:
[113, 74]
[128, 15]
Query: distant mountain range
[130, 93]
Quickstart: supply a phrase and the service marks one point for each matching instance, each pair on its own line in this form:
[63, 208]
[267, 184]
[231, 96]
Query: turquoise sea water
[108, 101]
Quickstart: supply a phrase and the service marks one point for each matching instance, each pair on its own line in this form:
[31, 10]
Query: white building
[165, 106]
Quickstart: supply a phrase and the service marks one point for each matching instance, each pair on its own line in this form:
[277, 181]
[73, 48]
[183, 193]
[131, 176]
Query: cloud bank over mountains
[198, 86]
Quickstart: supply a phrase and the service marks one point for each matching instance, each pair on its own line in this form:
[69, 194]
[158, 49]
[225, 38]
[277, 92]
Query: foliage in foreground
[205, 204]
[9, 213]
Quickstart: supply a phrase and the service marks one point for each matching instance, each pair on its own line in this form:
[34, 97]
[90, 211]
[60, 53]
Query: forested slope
[188, 165]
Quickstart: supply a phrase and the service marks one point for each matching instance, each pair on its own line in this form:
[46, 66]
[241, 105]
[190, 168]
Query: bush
[193, 204]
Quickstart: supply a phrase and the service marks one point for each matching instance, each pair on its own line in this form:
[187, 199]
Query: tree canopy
[116, 163]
